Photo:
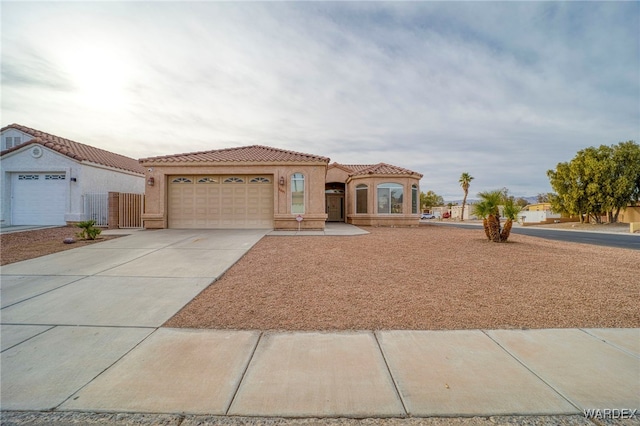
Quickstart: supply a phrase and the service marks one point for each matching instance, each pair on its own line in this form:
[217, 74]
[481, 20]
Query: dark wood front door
[335, 207]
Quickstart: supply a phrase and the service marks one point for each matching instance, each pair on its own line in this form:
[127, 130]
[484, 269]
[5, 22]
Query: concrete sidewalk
[81, 332]
[309, 374]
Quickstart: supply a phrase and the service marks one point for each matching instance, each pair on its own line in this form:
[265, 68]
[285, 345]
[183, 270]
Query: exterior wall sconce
[151, 181]
[281, 180]
[73, 179]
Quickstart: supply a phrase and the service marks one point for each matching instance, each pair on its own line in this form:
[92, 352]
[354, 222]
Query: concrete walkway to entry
[81, 331]
[331, 228]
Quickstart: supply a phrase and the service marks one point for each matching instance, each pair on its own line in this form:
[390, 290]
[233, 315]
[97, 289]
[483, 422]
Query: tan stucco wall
[372, 218]
[629, 214]
[336, 174]
[155, 214]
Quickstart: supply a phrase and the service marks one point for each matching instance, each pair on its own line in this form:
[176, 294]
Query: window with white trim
[297, 193]
[11, 141]
[362, 192]
[390, 197]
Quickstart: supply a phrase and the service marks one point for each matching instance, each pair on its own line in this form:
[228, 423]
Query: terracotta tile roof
[76, 150]
[253, 153]
[377, 169]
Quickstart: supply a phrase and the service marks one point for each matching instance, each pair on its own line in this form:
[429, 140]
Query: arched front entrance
[334, 201]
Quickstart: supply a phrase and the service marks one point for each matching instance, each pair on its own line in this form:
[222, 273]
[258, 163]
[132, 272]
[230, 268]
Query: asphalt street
[626, 241]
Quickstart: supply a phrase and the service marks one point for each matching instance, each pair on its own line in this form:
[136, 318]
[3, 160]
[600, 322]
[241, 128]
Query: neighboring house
[630, 214]
[537, 207]
[45, 177]
[539, 213]
[456, 212]
[264, 187]
[537, 216]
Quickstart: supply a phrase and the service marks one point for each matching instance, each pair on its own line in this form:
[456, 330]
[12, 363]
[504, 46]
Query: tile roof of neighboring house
[253, 153]
[377, 169]
[76, 150]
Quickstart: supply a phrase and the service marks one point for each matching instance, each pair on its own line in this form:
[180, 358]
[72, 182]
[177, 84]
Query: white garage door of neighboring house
[38, 198]
[203, 202]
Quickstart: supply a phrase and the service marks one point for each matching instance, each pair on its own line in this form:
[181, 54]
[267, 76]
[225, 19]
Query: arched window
[414, 199]
[362, 191]
[297, 193]
[390, 198]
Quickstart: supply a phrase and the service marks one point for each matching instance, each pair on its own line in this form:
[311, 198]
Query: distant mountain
[530, 200]
[459, 202]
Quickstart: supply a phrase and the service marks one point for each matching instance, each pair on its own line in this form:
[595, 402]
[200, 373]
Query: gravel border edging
[59, 418]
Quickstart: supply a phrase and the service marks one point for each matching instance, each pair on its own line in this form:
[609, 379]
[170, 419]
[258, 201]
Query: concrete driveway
[68, 316]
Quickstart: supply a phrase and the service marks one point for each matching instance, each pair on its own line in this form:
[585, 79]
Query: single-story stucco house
[263, 187]
[45, 177]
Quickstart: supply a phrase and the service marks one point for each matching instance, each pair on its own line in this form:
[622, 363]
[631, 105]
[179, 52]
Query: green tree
[522, 202]
[430, 199]
[570, 193]
[625, 182]
[597, 181]
[465, 182]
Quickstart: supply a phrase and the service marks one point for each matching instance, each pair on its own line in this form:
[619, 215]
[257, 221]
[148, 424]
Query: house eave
[113, 169]
[152, 163]
[417, 176]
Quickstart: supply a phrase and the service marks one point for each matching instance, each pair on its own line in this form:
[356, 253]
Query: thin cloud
[503, 91]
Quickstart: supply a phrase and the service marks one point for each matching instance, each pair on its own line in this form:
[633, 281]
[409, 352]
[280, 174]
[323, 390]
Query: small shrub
[89, 231]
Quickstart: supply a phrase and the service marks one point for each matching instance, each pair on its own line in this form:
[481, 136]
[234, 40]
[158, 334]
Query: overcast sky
[501, 90]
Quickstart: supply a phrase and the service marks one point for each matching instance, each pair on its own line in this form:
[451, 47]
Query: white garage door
[209, 202]
[38, 198]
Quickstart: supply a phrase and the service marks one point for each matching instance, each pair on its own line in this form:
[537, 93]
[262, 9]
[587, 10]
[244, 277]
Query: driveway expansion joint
[612, 344]
[521, 362]
[103, 370]
[393, 379]
[244, 373]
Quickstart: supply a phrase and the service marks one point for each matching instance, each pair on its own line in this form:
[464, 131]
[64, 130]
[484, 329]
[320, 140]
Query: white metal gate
[96, 207]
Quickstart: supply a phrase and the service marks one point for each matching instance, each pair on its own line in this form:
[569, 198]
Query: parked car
[446, 215]
[427, 216]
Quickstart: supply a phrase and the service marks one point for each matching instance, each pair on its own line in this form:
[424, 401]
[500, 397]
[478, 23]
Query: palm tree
[510, 211]
[488, 209]
[465, 181]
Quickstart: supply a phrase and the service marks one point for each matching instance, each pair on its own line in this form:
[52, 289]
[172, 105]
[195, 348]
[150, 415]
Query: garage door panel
[38, 198]
[221, 202]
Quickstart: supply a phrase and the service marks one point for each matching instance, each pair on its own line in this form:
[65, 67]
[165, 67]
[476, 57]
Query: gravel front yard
[431, 277]
[18, 246]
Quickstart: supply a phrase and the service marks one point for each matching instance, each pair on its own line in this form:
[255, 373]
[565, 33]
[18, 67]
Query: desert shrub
[89, 231]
